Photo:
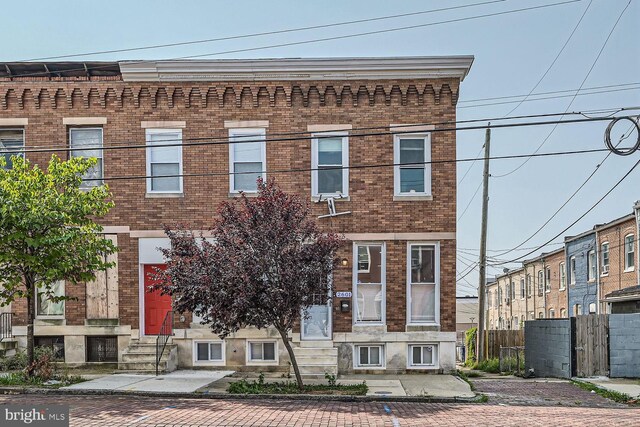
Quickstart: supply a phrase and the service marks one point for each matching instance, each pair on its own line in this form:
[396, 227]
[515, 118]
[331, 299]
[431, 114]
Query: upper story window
[369, 284]
[563, 276]
[540, 282]
[247, 159]
[629, 252]
[11, 144]
[604, 249]
[499, 295]
[412, 173]
[424, 283]
[547, 285]
[329, 163]
[522, 289]
[513, 290]
[164, 160]
[87, 142]
[591, 265]
[529, 285]
[572, 270]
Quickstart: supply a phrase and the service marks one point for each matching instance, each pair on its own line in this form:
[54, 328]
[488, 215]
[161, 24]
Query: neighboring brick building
[400, 263]
[506, 301]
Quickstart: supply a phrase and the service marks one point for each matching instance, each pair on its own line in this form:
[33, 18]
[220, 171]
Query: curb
[227, 396]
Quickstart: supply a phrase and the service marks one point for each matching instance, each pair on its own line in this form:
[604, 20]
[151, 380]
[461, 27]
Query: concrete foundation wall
[548, 347]
[624, 345]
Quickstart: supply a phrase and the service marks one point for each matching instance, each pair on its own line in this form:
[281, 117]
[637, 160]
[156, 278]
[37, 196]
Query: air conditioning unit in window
[605, 269]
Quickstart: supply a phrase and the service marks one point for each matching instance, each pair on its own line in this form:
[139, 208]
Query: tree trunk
[287, 344]
[30, 338]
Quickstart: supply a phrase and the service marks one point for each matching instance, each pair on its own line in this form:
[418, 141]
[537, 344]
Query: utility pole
[483, 245]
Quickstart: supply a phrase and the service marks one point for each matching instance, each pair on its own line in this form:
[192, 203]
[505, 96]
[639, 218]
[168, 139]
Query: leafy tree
[47, 231]
[266, 263]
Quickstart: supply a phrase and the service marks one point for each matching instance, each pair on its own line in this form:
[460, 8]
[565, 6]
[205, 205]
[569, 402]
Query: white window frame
[436, 246]
[51, 316]
[251, 361]
[523, 288]
[628, 267]
[436, 359]
[551, 313]
[427, 166]
[356, 356]
[383, 278]
[209, 362]
[592, 265]
[541, 276]
[244, 132]
[21, 152]
[563, 313]
[345, 163]
[572, 270]
[563, 276]
[604, 249]
[529, 285]
[152, 131]
[84, 184]
[547, 279]
[357, 258]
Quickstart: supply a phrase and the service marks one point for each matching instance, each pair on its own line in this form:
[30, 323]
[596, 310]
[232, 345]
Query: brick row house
[594, 272]
[394, 295]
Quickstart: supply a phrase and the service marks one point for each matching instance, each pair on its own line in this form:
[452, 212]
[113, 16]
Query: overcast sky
[512, 52]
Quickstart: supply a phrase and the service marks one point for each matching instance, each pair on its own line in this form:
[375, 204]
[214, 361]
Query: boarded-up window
[102, 349]
[102, 293]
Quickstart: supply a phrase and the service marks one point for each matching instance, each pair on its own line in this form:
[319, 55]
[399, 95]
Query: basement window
[55, 344]
[423, 356]
[102, 349]
[208, 351]
[262, 352]
[369, 356]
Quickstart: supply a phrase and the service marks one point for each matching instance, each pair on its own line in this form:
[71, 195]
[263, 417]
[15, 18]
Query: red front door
[156, 306]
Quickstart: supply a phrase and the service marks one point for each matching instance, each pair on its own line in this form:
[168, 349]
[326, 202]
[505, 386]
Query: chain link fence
[512, 360]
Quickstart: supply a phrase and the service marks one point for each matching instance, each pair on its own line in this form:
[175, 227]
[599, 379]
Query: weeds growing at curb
[608, 394]
[287, 387]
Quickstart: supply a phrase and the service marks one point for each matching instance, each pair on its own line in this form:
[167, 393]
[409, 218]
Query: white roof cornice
[297, 69]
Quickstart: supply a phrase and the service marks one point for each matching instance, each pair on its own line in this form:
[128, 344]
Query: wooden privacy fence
[494, 339]
[592, 345]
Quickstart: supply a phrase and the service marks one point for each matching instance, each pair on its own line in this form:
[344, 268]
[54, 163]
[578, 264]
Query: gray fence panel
[624, 345]
[548, 347]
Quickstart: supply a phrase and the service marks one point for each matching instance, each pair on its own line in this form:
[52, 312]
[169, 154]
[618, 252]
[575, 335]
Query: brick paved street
[89, 411]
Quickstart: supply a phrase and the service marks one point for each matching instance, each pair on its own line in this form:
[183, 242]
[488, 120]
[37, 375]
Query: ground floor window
[55, 344]
[369, 356]
[209, 351]
[262, 351]
[102, 349]
[423, 355]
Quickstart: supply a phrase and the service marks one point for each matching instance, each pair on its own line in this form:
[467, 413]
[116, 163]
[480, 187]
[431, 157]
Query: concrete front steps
[315, 362]
[140, 357]
[8, 347]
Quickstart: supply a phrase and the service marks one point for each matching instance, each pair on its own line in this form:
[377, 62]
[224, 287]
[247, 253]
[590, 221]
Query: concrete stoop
[140, 357]
[315, 362]
[8, 347]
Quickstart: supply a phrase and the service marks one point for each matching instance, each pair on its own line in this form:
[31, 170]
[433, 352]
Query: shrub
[470, 344]
[489, 365]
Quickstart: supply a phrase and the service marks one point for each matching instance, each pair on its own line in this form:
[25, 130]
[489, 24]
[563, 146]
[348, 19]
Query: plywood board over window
[102, 293]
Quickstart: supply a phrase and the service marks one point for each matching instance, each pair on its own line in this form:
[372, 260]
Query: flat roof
[10, 70]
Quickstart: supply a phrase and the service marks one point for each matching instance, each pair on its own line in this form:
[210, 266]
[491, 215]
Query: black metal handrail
[166, 330]
[6, 326]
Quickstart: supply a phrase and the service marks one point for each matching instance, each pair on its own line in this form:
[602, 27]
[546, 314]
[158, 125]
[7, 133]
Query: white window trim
[590, 266]
[563, 270]
[547, 280]
[71, 149]
[251, 362]
[22, 152]
[356, 356]
[523, 289]
[51, 316]
[148, 159]
[633, 267]
[436, 356]
[345, 164]
[427, 166]
[437, 284]
[208, 362]
[572, 270]
[605, 272]
[256, 132]
[357, 258]
[383, 277]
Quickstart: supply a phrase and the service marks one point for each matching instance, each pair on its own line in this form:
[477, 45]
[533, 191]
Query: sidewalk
[216, 382]
[630, 387]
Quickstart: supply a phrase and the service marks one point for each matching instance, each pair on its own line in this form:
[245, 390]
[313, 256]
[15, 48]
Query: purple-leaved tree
[264, 264]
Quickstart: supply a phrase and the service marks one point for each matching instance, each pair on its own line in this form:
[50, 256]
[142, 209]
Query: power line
[265, 33]
[472, 197]
[367, 33]
[580, 217]
[213, 141]
[595, 61]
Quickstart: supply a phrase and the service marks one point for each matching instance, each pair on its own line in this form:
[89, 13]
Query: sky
[511, 51]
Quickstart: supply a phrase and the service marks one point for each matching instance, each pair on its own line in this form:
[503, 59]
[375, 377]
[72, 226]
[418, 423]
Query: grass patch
[488, 365]
[473, 374]
[288, 387]
[608, 394]
[56, 381]
[465, 377]
[483, 398]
